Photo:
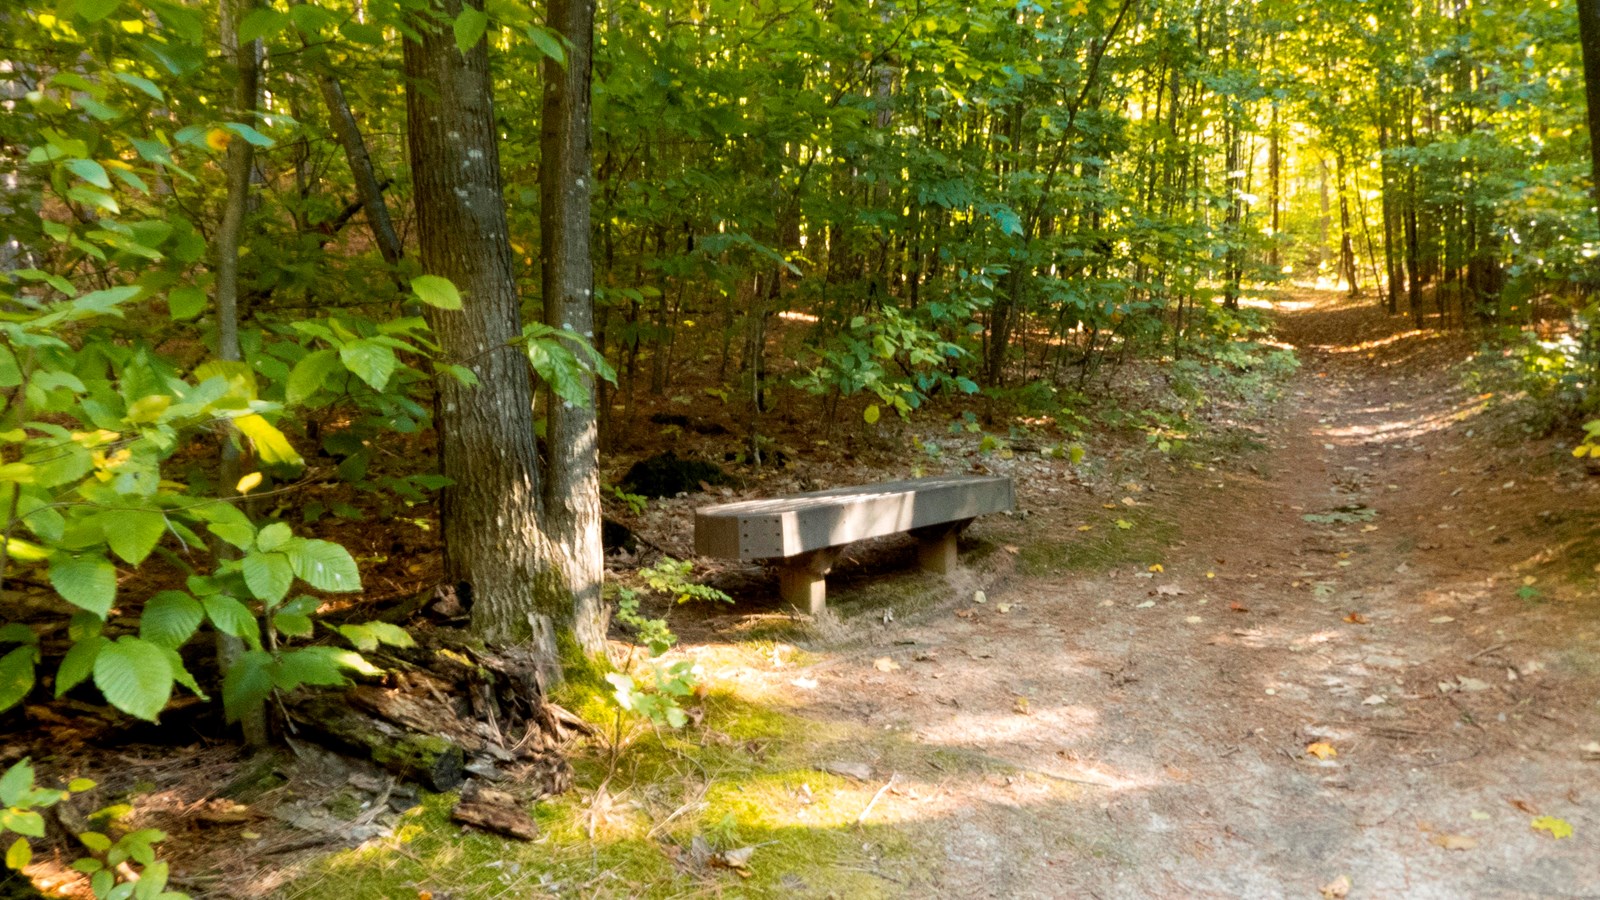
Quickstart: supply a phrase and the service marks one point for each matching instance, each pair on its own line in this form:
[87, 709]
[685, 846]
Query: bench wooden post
[936, 546]
[803, 579]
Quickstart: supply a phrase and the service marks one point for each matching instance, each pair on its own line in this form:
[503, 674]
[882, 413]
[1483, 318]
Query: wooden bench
[804, 533]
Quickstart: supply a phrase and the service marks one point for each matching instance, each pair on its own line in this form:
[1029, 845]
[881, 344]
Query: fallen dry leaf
[963, 613]
[1558, 828]
[1591, 751]
[1356, 618]
[735, 859]
[1523, 805]
[1238, 607]
[1337, 889]
[1170, 590]
[885, 664]
[1455, 841]
[1321, 750]
[1442, 620]
[1020, 705]
[1374, 700]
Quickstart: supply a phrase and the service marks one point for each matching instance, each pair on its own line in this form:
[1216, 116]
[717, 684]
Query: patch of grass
[1105, 546]
[903, 592]
[746, 779]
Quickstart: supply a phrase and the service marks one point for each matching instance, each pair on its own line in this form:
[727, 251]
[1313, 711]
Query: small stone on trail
[858, 770]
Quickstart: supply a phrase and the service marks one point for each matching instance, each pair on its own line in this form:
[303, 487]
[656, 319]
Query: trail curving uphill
[1340, 679]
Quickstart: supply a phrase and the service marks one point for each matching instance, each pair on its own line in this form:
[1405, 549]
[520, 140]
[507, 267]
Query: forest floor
[1352, 649]
[1397, 581]
[1347, 643]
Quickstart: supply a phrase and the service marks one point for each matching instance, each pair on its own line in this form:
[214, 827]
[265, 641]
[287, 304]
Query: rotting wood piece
[447, 703]
[437, 763]
[494, 811]
[802, 533]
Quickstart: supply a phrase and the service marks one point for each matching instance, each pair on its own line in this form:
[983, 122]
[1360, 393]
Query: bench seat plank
[803, 532]
[801, 523]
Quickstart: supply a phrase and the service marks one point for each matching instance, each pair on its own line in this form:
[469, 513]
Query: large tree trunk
[1589, 37]
[495, 552]
[572, 486]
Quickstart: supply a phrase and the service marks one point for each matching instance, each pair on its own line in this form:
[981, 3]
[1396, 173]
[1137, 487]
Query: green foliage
[110, 860]
[672, 578]
[111, 393]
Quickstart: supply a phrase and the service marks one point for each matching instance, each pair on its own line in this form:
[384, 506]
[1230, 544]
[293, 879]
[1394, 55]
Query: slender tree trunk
[368, 189]
[1347, 249]
[246, 65]
[495, 552]
[572, 485]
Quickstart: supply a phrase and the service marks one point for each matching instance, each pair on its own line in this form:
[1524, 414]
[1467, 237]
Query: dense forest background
[240, 241]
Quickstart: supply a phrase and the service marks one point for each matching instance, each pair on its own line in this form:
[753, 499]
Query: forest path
[1359, 583]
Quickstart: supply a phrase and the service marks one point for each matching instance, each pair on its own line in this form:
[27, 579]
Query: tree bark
[572, 485]
[1589, 38]
[246, 65]
[495, 552]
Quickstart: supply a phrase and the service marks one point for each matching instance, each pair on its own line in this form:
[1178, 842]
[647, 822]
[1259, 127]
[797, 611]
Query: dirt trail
[1153, 726]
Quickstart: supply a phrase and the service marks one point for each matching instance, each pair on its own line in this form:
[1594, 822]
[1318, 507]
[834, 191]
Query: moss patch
[748, 777]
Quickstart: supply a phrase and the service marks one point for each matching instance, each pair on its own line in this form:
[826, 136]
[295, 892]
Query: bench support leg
[936, 546]
[802, 580]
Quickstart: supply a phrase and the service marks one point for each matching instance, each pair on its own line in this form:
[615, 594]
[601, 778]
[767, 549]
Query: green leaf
[469, 28]
[227, 522]
[232, 617]
[90, 171]
[360, 636]
[142, 84]
[87, 582]
[310, 665]
[185, 302]
[436, 291]
[78, 663]
[170, 618]
[16, 676]
[134, 676]
[246, 684]
[324, 566]
[95, 10]
[309, 375]
[22, 822]
[20, 854]
[390, 634]
[292, 624]
[274, 536]
[264, 22]
[250, 134]
[547, 43]
[108, 300]
[16, 782]
[560, 369]
[370, 361]
[135, 533]
[871, 414]
[268, 575]
[181, 674]
[17, 633]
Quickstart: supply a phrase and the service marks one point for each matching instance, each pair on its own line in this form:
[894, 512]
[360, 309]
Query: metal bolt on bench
[804, 533]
